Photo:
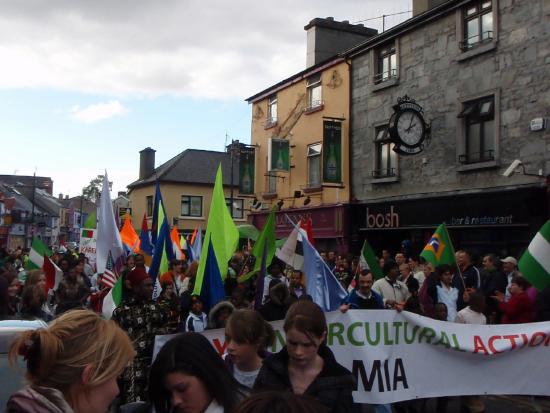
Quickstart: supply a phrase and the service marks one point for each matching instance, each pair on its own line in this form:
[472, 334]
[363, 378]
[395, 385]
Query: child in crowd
[247, 336]
[444, 292]
[197, 320]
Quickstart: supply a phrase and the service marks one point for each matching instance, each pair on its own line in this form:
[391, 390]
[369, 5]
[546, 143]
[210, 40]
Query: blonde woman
[72, 365]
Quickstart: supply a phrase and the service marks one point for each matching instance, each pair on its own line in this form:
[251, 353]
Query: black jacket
[333, 387]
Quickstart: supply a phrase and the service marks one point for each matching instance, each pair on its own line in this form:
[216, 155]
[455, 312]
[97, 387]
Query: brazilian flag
[439, 249]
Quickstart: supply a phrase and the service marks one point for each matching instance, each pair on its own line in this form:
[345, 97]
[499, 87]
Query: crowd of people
[188, 375]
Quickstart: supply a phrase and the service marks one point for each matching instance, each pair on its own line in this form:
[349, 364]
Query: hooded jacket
[36, 399]
[214, 312]
[333, 386]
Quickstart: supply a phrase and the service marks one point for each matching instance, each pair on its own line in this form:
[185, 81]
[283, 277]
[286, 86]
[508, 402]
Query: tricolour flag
[145, 245]
[113, 299]
[196, 243]
[36, 254]
[369, 261]
[219, 245]
[53, 274]
[129, 236]
[534, 264]
[176, 248]
[439, 249]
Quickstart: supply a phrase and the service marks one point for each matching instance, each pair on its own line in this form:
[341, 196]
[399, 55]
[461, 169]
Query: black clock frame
[406, 104]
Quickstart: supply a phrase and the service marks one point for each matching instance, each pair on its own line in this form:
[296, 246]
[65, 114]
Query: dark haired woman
[519, 309]
[189, 376]
[247, 336]
[306, 365]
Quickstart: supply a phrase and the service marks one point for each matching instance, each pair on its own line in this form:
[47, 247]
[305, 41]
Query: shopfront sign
[389, 219]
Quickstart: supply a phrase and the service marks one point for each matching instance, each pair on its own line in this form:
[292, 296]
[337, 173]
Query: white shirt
[469, 316]
[214, 407]
[449, 297]
[246, 378]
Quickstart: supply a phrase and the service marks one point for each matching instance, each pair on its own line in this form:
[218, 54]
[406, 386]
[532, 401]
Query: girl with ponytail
[72, 365]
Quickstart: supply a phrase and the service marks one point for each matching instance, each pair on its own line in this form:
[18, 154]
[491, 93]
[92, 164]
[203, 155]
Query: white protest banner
[88, 244]
[402, 356]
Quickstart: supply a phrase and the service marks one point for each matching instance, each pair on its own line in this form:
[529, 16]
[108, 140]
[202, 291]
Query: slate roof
[193, 166]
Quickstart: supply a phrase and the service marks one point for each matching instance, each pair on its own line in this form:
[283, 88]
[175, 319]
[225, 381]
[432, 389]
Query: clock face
[410, 128]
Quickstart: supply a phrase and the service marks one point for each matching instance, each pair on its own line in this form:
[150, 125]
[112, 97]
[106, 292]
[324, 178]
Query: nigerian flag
[369, 261]
[439, 249]
[534, 264]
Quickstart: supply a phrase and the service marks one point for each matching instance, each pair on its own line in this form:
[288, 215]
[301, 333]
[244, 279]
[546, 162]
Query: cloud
[215, 49]
[98, 112]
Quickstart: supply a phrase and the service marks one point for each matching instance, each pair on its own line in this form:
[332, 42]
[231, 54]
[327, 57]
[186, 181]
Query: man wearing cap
[142, 319]
[509, 265]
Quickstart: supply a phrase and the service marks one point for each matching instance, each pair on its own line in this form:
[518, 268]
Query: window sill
[386, 180]
[270, 125]
[333, 185]
[477, 50]
[269, 195]
[312, 189]
[314, 109]
[477, 165]
[190, 217]
[394, 81]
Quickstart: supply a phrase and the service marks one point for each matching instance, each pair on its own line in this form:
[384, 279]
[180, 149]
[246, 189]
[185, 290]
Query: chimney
[121, 193]
[420, 6]
[66, 196]
[61, 197]
[327, 37]
[146, 163]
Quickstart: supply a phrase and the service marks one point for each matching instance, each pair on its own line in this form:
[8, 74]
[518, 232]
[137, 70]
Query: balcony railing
[476, 157]
[383, 76]
[476, 40]
[384, 173]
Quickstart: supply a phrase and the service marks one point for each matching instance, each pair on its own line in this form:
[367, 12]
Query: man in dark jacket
[492, 280]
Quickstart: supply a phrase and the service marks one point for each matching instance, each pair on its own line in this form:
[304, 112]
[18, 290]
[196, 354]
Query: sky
[85, 85]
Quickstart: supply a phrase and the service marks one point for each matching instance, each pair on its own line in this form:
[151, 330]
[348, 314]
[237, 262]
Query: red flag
[53, 274]
[306, 225]
[194, 235]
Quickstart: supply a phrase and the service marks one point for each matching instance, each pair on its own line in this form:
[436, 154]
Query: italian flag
[112, 299]
[39, 258]
[534, 264]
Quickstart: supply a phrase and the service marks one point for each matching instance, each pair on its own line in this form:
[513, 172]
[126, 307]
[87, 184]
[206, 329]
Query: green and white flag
[534, 264]
[369, 261]
[36, 254]
[113, 299]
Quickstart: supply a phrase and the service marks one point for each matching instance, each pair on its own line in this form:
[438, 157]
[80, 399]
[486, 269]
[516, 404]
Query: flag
[292, 251]
[439, 249]
[163, 251]
[145, 239]
[258, 297]
[53, 274]
[194, 235]
[113, 299]
[91, 221]
[155, 222]
[175, 238]
[219, 245]
[108, 236]
[129, 235]
[306, 224]
[36, 254]
[534, 264]
[266, 238]
[196, 244]
[187, 249]
[369, 261]
[109, 275]
[321, 284]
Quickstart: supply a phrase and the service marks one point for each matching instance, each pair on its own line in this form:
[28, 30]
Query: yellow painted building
[186, 184]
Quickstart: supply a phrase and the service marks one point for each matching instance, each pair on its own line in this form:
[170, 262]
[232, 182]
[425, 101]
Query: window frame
[468, 51]
[463, 112]
[239, 210]
[149, 205]
[386, 51]
[478, 14]
[272, 103]
[190, 197]
[313, 83]
[382, 142]
[319, 157]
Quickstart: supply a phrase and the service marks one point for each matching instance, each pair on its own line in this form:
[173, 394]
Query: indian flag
[534, 264]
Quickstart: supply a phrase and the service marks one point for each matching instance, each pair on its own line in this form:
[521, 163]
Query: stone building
[480, 69]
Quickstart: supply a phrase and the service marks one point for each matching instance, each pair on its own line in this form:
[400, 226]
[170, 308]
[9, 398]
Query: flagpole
[453, 249]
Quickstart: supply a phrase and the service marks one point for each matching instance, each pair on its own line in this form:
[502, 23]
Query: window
[191, 206]
[479, 126]
[238, 207]
[386, 158]
[149, 205]
[314, 165]
[272, 109]
[478, 24]
[386, 66]
[314, 91]
[271, 182]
